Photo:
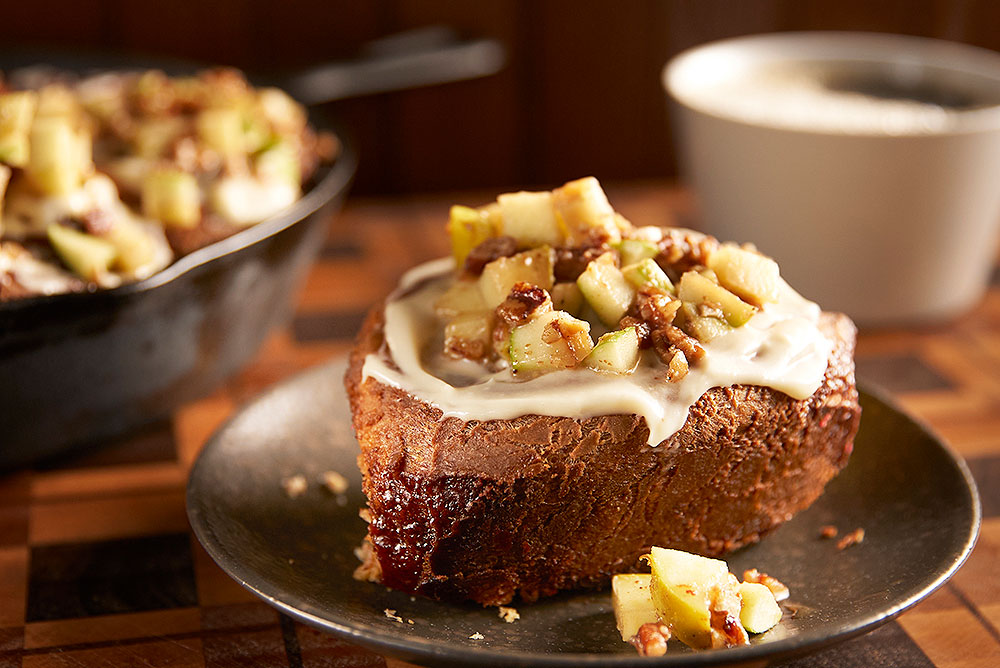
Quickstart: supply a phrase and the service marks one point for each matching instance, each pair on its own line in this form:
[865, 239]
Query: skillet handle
[424, 57]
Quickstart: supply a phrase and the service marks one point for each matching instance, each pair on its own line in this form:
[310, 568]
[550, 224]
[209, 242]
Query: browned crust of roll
[490, 510]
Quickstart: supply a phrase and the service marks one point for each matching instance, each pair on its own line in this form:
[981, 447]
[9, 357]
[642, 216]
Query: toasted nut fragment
[656, 307]
[524, 301]
[728, 630]
[777, 587]
[651, 639]
[492, 249]
[827, 530]
[509, 615]
[688, 345]
[681, 250]
[571, 262]
[677, 367]
[853, 538]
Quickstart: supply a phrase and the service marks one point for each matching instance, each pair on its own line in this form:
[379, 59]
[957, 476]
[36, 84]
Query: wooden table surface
[98, 566]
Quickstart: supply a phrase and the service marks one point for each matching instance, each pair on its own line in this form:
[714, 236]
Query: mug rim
[861, 47]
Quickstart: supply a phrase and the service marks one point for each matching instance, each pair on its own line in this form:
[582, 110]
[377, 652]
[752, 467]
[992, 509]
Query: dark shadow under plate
[914, 498]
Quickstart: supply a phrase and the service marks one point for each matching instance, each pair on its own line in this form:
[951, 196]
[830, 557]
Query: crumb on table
[477, 636]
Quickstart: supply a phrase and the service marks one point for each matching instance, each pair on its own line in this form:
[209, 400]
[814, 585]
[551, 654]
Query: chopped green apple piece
[647, 274]
[549, 342]
[606, 289]
[702, 327]
[172, 196]
[469, 335]
[279, 161]
[221, 129]
[153, 136]
[615, 352]
[635, 250]
[88, 256]
[57, 156]
[463, 296]
[585, 213]
[532, 266]
[467, 228]
[135, 248]
[697, 289]
[567, 297]
[16, 111]
[759, 612]
[750, 275]
[632, 602]
[530, 218]
[686, 590]
[283, 112]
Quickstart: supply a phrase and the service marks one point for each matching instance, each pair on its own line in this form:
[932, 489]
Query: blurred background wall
[580, 94]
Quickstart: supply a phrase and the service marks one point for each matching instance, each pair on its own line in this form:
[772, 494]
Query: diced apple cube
[90, 257]
[760, 612]
[632, 602]
[552, 341]
[530, 218]
[134, 246]
[172, 196]
[606, 289]
[696, 289]
[463, 296]
[647, 274]
[685, 590]
[467, 228]
[615, 352]
[585, 212]
[635, 250]
[469, 335]
[752, 276]
[532, 266]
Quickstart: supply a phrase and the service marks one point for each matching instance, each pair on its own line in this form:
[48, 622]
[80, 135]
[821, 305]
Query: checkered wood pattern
[98, 566]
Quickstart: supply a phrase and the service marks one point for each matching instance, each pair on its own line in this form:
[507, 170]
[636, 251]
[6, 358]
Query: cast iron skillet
[76, 369]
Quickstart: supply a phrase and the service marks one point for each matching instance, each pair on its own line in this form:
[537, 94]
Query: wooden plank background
[580, 95]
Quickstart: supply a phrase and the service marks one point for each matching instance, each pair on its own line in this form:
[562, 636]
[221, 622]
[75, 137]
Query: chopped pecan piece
[682, 250]
[776, 586]
[729, 632]
[677, 367]
[657, 307]
[492, 249]
[571, 262]
[651, 639]
[668, 338]
[524, 301]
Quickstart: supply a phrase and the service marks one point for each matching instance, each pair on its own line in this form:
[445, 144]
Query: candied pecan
[651, 639]
[657, 307]
[670, 336]
[570, 262]
[682, 250]
[777, 587]
[492, 249]
[641, 329]
[730, 632]
[524, 301]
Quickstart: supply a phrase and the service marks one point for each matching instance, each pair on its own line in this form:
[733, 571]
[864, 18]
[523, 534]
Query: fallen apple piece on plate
[694, 599]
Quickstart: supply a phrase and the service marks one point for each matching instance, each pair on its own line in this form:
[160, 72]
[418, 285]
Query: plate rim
[422, 649]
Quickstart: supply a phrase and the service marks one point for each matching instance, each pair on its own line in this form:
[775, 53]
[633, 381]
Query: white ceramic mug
[892, 220]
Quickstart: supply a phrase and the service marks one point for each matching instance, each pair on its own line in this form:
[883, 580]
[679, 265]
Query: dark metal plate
[915, 499]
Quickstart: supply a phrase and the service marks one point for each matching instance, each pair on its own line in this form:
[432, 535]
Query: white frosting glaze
[780, 347]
